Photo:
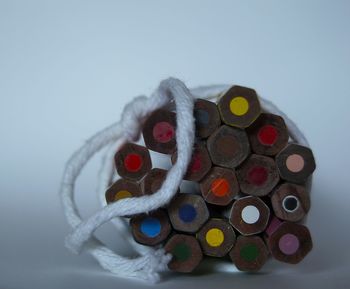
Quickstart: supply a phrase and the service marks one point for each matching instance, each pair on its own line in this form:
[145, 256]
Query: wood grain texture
[228, 147]
[122, 185]
[188, 213]
[220, 245]
[130, 151]
[140, 235]
[290, 202]
[246, 119]
[268, 135]
[258, 175]
[199, 165]
[159, 131]
[220, 186]
[300, 232]
[207, 117]
[249, 253]
[297, 176]
[153, 180]
[187, 253]
[249, 228]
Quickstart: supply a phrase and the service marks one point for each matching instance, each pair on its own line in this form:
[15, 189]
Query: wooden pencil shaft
[207, 117]
[295, 163]
[239, 106]
[249, 215]
[186, 253]
[159, 131]
[150, 229]
[199, 165]
[152, 182]
[290, 202]
[249, 253]
[268, 135]
[188, 213]
[121, 189]
[290, 242]
[273, 225]
[258, 175]
[132, 161]
[228, 147]
[216, 237]
[220, 186]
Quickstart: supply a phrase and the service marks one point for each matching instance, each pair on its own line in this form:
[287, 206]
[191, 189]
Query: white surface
[67, 68]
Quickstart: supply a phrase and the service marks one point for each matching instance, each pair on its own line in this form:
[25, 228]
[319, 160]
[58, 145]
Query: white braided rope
[151, 261]
[128, 129]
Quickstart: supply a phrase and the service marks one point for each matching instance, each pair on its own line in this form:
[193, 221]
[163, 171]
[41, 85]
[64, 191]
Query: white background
[68, 67]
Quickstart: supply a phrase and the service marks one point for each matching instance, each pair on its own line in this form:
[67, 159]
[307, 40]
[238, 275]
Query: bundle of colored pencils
[252, 195]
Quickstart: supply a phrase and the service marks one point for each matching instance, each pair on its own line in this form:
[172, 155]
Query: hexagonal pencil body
[216, 237]
[228, 147]
[268, 135]
[159, 131]
[151, 229]
[290, 202]
[239, 106]
[220, 186]
[290, 242]
[258, 175]
[188, 213]
[249, 215]
[186, 252]
[207, 117]
[199, 165]
[295, 163]
[132, 161]
[249, 253]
